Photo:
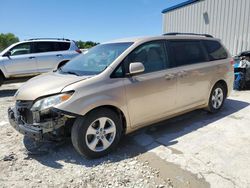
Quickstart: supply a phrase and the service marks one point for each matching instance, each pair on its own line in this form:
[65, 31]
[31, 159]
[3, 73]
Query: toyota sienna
[120, 86]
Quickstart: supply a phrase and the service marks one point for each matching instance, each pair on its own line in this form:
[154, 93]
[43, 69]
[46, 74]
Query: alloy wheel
[100, 134]
[217, 98]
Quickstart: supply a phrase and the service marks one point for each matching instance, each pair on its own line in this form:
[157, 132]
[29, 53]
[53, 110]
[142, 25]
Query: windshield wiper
[70, 72]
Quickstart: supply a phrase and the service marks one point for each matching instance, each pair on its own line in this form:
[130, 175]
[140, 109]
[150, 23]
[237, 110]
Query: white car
[35, 56]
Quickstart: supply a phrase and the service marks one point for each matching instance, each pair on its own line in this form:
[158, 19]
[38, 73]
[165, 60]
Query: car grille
[23, 110]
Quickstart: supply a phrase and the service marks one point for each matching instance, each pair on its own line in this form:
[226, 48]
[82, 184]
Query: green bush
[7, 39]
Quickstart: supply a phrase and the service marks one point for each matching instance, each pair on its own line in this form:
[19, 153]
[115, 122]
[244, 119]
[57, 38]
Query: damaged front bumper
[36, 130]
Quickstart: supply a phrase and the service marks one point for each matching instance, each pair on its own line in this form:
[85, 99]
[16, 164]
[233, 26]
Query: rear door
[194, 72]
[49, 54]
[21, 61]
[151, 94]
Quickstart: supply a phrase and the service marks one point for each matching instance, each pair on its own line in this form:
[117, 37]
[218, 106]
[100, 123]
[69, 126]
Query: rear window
[215, 50]
[187, 52]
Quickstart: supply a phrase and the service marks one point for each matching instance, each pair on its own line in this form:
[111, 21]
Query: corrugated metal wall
[228, 20]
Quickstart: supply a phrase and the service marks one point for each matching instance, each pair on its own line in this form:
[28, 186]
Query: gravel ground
[63, 167]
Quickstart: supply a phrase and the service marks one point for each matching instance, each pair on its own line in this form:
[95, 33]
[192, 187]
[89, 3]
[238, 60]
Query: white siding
[229, 20]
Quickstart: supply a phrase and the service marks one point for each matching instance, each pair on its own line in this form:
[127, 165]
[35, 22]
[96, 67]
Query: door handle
[32, 57]
[59, 55]
[170, 76]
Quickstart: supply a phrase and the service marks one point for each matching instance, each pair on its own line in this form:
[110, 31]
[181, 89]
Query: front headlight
[51, 101]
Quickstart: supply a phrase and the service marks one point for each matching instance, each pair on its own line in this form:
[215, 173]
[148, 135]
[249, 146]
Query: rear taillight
[79, 51]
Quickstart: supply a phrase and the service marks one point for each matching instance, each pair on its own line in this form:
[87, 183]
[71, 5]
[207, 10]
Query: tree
[86, 45]
[7, 39]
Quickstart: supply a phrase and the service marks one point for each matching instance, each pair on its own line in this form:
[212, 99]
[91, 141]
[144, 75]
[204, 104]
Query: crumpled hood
[46, 84]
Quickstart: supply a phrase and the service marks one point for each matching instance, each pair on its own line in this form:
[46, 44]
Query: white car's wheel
[1, 78]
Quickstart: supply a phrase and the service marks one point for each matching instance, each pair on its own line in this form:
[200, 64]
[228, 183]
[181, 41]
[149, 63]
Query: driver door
[151, 95]
[21, 60]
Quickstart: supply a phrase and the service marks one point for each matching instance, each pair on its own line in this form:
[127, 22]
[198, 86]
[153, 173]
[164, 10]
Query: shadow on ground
[7, 93]
[130, 145]
[17, 80]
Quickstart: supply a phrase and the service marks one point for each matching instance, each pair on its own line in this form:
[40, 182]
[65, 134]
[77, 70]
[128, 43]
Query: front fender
[84, 105]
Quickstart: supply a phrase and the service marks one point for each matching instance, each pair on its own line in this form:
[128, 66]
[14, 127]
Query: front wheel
[217, 98]
[97, 134]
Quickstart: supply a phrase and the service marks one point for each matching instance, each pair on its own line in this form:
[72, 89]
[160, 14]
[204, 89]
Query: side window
[21, 49]
[215, 50]
[152, 55]
[187, 52]
[44, 47]
[62, 46]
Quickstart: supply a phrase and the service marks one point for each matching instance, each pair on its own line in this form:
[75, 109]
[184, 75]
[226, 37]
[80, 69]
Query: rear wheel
[97, 134]
[217, 98]
[1, 78]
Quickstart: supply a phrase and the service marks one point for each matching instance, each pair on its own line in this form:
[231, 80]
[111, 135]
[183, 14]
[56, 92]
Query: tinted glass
[187, 52]
[62, 46]
[44, 47]
[152, 55]
[21, 49]
[118, 72]
[215, 50]
[95, 60]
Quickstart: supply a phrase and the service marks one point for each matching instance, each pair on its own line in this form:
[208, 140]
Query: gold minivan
[120, 86]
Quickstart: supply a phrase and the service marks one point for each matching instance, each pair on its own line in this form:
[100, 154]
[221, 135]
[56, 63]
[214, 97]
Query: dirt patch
[173, 174]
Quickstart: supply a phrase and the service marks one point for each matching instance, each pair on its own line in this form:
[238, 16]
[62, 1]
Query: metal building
[228, 20]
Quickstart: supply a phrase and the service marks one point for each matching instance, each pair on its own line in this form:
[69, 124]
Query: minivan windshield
[96, 60]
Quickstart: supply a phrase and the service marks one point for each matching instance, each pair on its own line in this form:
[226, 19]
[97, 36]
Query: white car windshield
[95, 60]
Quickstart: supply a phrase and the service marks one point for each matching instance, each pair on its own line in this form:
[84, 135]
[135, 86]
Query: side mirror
[7, 54]
[136, 67]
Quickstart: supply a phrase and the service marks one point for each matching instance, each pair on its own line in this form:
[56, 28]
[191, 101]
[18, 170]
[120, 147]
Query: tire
[89, 134]
[217, 98]
[1, 78]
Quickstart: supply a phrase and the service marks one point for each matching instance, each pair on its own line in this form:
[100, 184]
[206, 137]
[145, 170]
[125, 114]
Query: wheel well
[62, 63]
[224, 84]
[119, 113]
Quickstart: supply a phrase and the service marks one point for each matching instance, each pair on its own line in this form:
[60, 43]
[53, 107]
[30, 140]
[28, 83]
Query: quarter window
[187, 52]
[62, 46]
[215, 50]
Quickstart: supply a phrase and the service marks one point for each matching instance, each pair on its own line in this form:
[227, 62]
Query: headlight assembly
[48, 102]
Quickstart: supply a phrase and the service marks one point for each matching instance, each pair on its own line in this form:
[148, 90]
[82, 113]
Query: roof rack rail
[196, 34]
[49, 39]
